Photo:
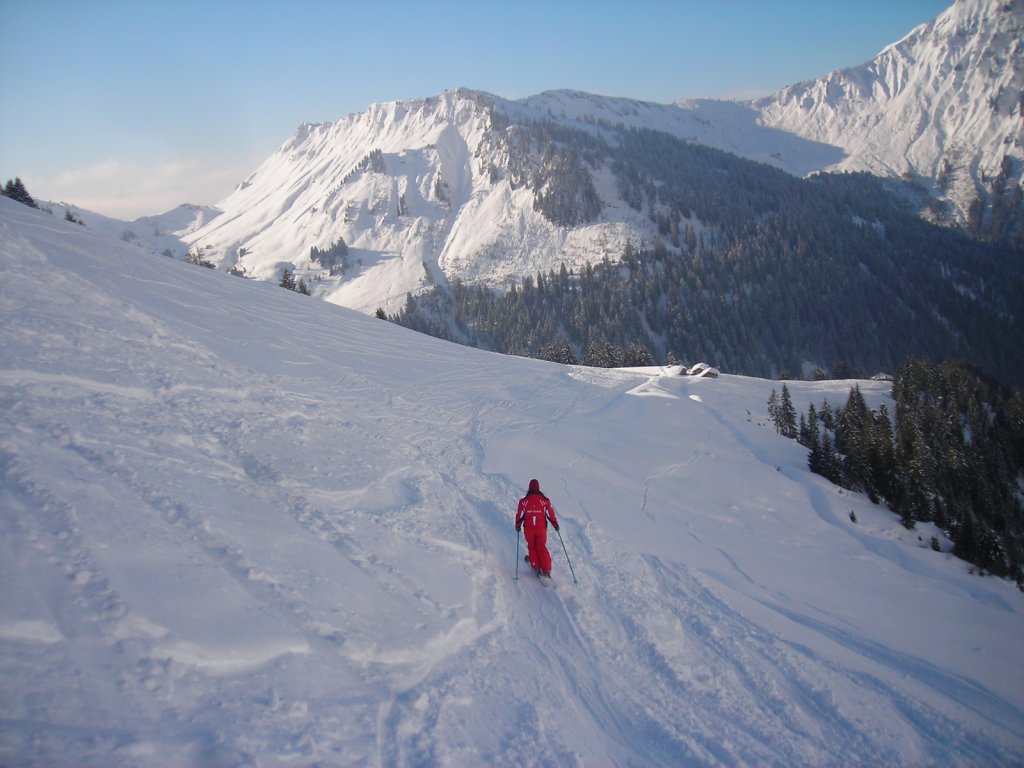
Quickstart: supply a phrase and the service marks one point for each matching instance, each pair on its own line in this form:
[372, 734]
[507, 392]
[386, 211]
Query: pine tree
[880, 454]
[787, 415]
[334, 258]
[637, 356]
[850, 420]
[287, 279]
[557, 351]
[602, 354]
[828, 419]
[16, 191]
[813, 428]
[852, 425]
[917, 486]
[815, 460]
[828, 460]
[773, 408]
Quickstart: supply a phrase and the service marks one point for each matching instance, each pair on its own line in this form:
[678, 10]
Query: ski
[541, 577]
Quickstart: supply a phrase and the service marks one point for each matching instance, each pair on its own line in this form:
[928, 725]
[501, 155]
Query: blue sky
[130, 108]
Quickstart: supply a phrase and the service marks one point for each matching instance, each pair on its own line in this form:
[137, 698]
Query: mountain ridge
[943, 106]
[461, 185]
[444, 201]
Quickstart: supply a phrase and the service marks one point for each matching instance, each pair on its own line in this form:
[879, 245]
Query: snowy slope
[943, 106]
[240, 526]
[161, 233]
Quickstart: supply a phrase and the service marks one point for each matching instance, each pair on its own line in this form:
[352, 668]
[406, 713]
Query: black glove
[519, 528]
[555, 525]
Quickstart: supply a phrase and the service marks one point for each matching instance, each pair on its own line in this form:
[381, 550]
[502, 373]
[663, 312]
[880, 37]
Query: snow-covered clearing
[239, 526]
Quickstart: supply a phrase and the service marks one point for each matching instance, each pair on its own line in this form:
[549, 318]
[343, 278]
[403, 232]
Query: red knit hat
[534, 485]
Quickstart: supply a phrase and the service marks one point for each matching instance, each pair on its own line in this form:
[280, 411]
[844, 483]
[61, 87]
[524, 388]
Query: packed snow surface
[239, 526]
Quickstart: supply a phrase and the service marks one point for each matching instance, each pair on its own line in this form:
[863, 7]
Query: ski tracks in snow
[283, 536]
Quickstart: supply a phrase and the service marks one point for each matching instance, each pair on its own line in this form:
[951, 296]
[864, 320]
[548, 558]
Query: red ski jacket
[534, 512]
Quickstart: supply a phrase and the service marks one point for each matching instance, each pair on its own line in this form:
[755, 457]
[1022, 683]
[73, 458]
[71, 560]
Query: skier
[534, 512]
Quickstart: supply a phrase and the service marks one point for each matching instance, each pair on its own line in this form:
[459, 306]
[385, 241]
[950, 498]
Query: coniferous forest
[953, 455]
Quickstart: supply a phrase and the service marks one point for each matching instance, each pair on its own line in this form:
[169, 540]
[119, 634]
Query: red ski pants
[537, 546]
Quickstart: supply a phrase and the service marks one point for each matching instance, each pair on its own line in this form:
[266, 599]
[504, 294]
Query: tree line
[953, 455]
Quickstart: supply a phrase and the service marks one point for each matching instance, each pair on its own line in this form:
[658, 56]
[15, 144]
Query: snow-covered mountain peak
[182, 220]
[389, 182]
[942, 107]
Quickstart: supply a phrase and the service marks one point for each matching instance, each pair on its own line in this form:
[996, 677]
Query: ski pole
[559, 532]
[516, 578]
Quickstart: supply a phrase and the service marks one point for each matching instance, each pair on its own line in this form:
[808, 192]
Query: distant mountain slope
[760, 273]
[469, 186]
[161, 233]
[428, 190]
[943, 107]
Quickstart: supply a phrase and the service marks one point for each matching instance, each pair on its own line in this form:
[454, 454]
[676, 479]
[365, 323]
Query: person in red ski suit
[533, 514]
